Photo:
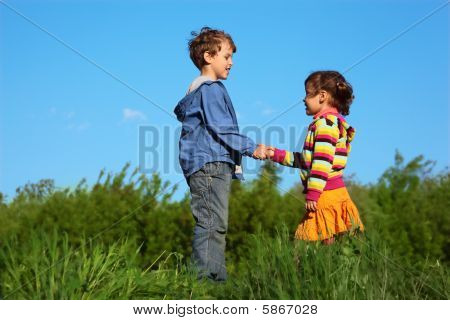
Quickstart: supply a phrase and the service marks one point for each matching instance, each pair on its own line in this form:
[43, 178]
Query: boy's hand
[260, 152]
[311, 205]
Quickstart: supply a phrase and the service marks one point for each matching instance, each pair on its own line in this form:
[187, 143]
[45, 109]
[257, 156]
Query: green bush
[102, 241]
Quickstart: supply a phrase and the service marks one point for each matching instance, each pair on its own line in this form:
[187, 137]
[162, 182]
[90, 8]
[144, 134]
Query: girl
[329, 209]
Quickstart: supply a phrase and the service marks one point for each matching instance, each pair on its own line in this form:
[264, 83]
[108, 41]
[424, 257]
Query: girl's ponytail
[344, 96]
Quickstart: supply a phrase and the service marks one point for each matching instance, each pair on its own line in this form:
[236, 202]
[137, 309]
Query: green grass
[47, 267]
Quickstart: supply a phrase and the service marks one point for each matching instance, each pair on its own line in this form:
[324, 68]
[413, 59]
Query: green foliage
[255, 207]
[353, 268]
[414, 209]
[115, 207]
[48, 267]
[125, 238]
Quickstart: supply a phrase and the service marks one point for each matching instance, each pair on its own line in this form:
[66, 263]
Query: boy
[211, 148]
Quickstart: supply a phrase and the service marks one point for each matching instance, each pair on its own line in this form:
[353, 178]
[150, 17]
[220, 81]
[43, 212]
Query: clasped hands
[264, 152]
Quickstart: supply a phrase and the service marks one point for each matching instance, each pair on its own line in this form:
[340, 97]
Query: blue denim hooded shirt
[210, 130]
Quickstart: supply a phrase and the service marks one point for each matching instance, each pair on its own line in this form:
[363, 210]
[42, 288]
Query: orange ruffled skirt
[336, 213]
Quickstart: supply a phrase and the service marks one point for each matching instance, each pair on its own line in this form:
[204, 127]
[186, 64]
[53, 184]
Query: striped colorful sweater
[324, 155]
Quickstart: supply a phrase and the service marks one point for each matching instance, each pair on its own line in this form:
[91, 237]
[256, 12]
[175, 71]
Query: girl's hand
[270, 151]
[311, 205]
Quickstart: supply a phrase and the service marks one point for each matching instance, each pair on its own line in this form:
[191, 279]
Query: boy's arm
[220, 122]
[325, 139]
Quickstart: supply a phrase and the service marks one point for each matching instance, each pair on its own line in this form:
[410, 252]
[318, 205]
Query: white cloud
[69, 120]
[70, 115]
[79, 127]
[266, 110]
[130, 115]
[83, 126]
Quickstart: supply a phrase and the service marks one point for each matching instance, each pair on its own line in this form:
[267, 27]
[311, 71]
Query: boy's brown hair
[207, 40]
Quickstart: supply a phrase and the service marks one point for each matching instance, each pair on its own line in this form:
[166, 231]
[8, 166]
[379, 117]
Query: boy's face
[221, 63]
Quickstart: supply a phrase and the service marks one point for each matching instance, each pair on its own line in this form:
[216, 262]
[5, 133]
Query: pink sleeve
[279, 155]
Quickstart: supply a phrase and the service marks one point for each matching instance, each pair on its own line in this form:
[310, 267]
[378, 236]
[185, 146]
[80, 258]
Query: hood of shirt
[183, 104]
[180, 108]
[345, 130]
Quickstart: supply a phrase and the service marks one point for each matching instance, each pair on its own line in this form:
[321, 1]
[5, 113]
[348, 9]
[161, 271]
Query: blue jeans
[210, 190]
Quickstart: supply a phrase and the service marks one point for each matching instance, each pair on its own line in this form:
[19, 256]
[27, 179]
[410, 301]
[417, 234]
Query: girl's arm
[286, 158]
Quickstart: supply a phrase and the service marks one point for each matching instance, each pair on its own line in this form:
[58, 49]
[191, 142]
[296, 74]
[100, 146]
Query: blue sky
[64, 118]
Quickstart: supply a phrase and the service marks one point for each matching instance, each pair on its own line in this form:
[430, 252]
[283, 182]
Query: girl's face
[314, 102]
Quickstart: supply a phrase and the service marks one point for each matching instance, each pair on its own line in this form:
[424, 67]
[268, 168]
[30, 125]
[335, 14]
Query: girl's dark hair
[334, 83]
[207, 40]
